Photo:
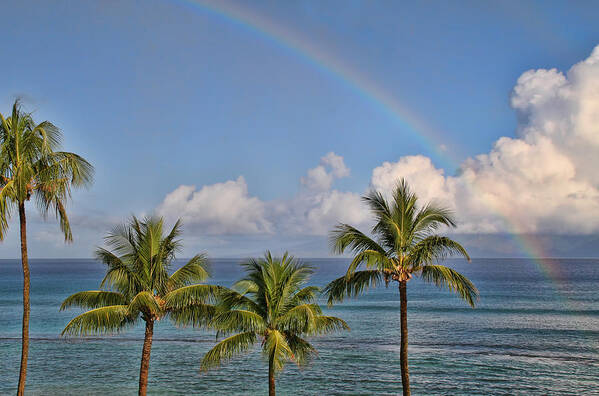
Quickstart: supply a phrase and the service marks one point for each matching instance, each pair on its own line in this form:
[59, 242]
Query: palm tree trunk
[26, 304]
[145, 358]
[271, 376]
[403, 354]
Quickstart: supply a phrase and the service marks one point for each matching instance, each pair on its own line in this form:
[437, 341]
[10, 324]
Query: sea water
[529, 335]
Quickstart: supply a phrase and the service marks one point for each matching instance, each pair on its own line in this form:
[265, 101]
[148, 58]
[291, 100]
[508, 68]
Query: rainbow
[315, 56]
[373, 93]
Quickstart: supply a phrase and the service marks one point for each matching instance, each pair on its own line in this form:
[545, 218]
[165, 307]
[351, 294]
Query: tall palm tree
[404, 245]
[31, 167]
[137, 286]
[273, 305]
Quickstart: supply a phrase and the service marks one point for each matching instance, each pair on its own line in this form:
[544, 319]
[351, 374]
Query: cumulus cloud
[321, 177]
[221, 208]
[227, 208]
[542, 180]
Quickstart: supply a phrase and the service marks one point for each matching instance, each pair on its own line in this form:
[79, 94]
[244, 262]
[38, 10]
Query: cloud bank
[543, 180]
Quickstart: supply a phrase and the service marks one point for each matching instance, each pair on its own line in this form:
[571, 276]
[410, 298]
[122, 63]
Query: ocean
[528, 335]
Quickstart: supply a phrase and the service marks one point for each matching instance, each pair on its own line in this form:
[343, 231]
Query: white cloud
[221, 208]
[543, 181]
[321, 177]
[336, 163]
[227, 208]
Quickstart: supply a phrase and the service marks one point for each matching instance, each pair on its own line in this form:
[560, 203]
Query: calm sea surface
[528, 336]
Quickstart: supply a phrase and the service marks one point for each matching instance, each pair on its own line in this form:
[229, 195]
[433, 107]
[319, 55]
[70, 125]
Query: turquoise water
[528, 336]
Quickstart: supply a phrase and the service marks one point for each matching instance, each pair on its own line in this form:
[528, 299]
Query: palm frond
[93, 299]
[191, 295]
[372, 259]
[8, 201]
[145, 303]
[328, 324]
[352, 286]
[299, 319]
[231, 299]
[377, 204]
[119, 275]
[345, 237]
[305, 295]
[238, 320]
[109, 319]
[277, 349]
[196, 315]
[227, 348]
[445, 277]
[430, 217]
[434, 248]
[303, 351]
[195, 270]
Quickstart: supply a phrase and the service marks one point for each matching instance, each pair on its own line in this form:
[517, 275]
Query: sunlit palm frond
[244, 286]
[108, 319]
[93, 299]
[145, 303]
[277, 349]
[191, 295]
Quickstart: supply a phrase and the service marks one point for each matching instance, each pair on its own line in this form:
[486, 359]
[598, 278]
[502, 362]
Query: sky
[260, 124]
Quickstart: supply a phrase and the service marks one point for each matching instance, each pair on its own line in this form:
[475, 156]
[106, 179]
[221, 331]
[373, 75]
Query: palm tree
[404, 245]
[31, 167]
[273, 305]
[137, 286]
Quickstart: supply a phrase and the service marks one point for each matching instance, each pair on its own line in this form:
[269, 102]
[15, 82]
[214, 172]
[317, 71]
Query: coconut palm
[273, 305]
[137, 285]
[403, 245]
[31, 167]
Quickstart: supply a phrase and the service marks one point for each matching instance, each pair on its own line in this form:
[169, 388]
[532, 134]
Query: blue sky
[159, 94]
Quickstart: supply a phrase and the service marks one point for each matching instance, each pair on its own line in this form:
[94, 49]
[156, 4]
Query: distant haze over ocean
[478, 245]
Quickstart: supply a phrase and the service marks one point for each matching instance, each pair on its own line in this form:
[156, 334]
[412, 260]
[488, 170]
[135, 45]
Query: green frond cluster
[194, 271]
[138, 260]
[196, 315]
[403, 244]
[352, 285]
[32, 167]
[274, 305]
